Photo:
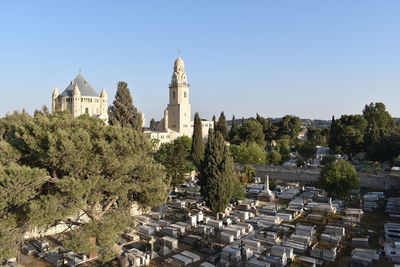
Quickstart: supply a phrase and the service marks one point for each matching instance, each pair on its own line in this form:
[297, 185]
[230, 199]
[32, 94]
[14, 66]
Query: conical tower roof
[84, 87]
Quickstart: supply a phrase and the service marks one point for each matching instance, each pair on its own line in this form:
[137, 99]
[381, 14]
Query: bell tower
[179, 110]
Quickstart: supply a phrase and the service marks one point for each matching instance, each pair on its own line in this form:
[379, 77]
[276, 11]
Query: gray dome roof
[84, 87]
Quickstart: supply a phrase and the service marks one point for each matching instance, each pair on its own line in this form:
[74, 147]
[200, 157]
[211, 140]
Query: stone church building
[80, 98]
[177, 119]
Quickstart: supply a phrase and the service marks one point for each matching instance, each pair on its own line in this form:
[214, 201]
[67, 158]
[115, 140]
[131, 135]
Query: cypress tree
[217, 173]
[123, 112]
[214, 119]
[332, 134]
[197, 142]
[242, 121]
[234, 131]
[222, 126]
[153, 124]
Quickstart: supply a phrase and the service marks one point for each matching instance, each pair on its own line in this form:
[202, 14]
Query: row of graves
[48, 252]
[283, 233]
[290, 226]
[320, 230]
[392, 230]
[387, 251]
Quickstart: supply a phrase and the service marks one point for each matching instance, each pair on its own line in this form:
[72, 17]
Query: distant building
[177, 116]
[80, 98]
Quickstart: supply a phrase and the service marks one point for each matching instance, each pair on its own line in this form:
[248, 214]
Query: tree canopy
[252, 132]
[318, 136]
[234, 132]
[347, 134]
[122, 112]
[217, 177]
[306, 149]
[221, 126]
[248, 153]
[76, 165]
[197, 148]
[339, 178]
[177, 160]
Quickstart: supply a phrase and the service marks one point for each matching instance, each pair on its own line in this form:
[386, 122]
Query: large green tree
[197, 149]
[339, 178]
[122, 112]
[347, 134]
[19, 187]
[91, 168]
[380, 123]
[317, 136]
[248, 153]
[387, 148]
[306, 149]
[273, 157]
[176, 158]
[234, 131]
[217, 173]
[222, 126]
[290, 126]
[252, 132]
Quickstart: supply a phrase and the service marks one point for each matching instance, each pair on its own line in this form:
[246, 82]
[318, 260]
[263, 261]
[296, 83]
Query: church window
[184, 94]
[173, 94]
[87, 110]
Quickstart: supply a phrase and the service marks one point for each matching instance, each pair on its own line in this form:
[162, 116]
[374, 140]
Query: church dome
[179, 65]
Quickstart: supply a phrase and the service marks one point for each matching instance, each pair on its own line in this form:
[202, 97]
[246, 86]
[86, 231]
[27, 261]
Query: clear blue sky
[313, 59]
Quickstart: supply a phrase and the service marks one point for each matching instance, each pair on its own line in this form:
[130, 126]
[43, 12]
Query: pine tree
[234, 131]
[222, 126]
[123, 112]
[217, 173]
[70, 165]
[197, 141]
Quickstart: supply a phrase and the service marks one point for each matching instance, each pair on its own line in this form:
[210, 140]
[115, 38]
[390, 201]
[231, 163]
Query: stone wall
[369, 180]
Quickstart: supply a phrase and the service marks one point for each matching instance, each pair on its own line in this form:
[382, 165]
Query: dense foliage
[197, 149]
[221, 126]
[248, 153]
[55, 166]
[217, 177]
[306, 149]
[177, 160]
[374, 133]
[339, 178]
[122, 112]
[250, 173]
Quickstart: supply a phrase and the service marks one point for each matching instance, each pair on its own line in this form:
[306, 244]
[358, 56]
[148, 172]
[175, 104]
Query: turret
[103, 93]
[76, 92]
[179, 75]
[55, 93]
[103, 102]
[54, 99]
[76, 101]
[166, 119]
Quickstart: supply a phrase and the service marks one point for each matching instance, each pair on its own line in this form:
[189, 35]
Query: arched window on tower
[173, 94]
[87, 110]
[185, 94]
